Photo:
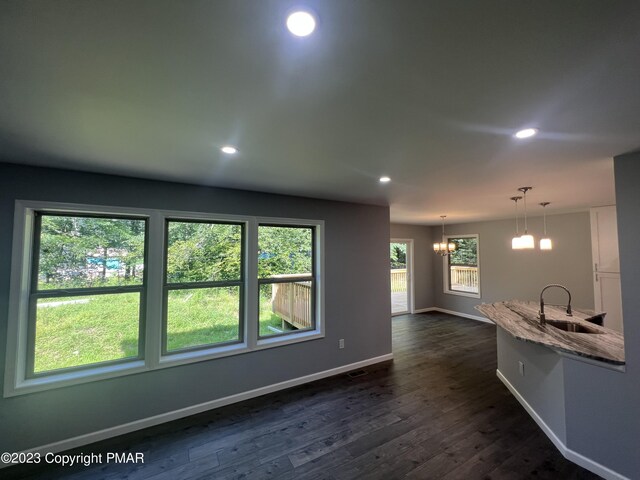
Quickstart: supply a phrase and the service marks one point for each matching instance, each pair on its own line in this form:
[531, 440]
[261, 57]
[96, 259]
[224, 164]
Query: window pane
[80, 252]
[466, 252]
[204, 252]
[463, 265]
[75, 331]
[284, 251]
[285, 307]
[202, 316]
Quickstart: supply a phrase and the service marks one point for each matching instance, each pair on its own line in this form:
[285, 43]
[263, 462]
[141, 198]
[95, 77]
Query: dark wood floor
[436, 412]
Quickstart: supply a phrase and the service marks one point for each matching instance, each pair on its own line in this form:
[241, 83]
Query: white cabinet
[606, 265]
[608, 298]
[604, 239]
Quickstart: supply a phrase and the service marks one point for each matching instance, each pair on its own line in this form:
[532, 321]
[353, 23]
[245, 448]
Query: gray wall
[603, 422]
[356, 294]
[422, 261]
[521, 274]
[542, 385]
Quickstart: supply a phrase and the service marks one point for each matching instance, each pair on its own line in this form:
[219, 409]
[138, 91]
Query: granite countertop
[520, 319]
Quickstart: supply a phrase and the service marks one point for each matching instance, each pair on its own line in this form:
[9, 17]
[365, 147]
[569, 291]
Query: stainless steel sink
[596, 319]
[571, 326]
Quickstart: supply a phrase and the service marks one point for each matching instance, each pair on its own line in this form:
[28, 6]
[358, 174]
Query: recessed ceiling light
[301, 23]
[526, 133]
[385, 179]
[229, 149]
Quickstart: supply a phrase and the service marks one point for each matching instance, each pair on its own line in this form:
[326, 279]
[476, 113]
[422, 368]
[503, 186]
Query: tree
[62, 251]
[466, 252]
[199, 252]
[71, 247]
[284, 250]
[398, 255]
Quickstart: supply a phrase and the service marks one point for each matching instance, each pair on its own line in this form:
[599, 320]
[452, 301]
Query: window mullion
[251, 297]
[154, 272]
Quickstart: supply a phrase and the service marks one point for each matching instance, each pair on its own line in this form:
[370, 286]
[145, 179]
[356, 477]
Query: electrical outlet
[521, 368]
[341, 343]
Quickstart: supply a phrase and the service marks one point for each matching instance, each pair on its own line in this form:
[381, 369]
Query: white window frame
[318, 241]
[16, 381]
[445, 268]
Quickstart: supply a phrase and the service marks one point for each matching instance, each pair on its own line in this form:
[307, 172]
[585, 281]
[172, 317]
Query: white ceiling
[427, 92]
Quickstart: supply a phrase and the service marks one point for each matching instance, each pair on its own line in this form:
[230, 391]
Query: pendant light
[545, 243]
[515, 241]
[526, 241]
[444, 248]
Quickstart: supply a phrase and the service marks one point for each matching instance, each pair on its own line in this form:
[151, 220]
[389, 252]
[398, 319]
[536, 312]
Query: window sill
[59, 380]
[105, 372]
[192, 356]
[288, 339]
[463, 294]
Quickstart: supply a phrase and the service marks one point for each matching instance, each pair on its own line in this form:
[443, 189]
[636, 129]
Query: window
[98, 292]
[462, 268]
[203, 284]
[286, 280]
[87, 292]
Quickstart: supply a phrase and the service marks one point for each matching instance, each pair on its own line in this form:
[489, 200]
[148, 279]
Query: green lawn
[100, 328]
[76, 331]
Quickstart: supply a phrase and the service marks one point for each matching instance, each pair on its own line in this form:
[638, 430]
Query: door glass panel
[399, 291]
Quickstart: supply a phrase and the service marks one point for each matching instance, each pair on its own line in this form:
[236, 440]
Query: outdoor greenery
[398, 255]
[202, 316]
[466, 253]
[284, 250]
[204, 252]
[80, 252]
[90, 252]
[74, 331]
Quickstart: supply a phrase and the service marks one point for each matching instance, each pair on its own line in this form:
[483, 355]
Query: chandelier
[444, 248]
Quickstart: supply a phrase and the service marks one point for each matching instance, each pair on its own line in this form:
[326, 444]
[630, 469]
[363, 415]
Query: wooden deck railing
[398, 280]
[292, 303]
[463, 277]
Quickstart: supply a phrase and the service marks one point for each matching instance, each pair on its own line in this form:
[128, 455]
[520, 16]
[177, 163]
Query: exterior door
[400, 256]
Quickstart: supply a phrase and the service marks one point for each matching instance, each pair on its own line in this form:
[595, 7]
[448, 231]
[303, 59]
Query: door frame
[410, 286]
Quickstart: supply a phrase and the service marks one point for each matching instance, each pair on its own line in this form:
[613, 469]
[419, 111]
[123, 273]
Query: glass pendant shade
[516, 244]
[545, 243]
[527, 242]
[444, 248]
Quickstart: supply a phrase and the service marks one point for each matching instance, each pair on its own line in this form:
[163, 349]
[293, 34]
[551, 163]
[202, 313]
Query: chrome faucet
[542, 316]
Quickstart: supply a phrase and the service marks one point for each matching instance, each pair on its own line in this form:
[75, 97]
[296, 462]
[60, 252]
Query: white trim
[445, 268]
[457, 314]
[251, 307]
[462, 294]
[451, 312]
[410, 283]
[464, 315]
[16, 381]
[155, 263]
[318, 277]
[425, 310]
[199, 408]
[569, 454]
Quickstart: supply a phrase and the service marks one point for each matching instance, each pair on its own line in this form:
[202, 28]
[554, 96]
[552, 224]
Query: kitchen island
[542, 364]
[520, 319]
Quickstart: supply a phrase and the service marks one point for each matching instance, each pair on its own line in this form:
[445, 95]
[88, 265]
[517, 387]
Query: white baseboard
[457, 314]
[569, 454]
[194, 409]
[424, 310]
